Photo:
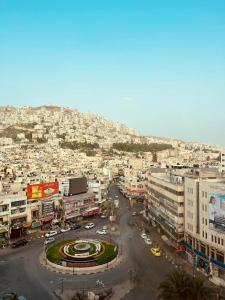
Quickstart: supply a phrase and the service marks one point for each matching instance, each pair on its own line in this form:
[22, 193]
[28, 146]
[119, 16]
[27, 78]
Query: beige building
[165, 205]
[205, 223]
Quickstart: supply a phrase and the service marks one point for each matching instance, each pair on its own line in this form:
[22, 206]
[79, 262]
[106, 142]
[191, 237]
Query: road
[21, 271]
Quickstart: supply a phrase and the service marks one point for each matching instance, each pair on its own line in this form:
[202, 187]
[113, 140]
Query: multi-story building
[165, 205]
[81, 205]
[222, 162]
[205, 223]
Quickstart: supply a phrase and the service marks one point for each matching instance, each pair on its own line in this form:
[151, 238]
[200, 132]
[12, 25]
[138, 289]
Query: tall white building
[205, 224]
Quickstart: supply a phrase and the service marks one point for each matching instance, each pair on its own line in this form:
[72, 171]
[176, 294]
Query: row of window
[217, 240]
[204, 221]
[177, 193]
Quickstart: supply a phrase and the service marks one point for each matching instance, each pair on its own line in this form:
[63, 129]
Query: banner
[42, 190]
[217, 211]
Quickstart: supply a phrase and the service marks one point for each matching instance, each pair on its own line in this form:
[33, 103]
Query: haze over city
[157, 66]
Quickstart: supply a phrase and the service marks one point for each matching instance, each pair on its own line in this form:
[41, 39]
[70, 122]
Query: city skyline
[156, 67]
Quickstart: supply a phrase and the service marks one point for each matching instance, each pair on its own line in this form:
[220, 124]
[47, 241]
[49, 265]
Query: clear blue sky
[157, 66]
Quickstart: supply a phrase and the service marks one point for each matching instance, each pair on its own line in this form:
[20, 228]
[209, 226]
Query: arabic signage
[42, 190]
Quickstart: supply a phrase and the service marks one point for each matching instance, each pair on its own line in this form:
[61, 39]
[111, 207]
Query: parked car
[103, 216]
[148, 241]
[49, 240]
[144, 235]
[21, 242]
[65, 229]
[101, 231]
[51, 233]
[75, 226]
[89, 226]
[155, 252]
[134, 213]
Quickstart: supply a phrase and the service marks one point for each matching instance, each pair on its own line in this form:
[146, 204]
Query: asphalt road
[21, 272]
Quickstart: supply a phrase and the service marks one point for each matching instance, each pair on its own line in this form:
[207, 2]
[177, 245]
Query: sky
[156, 66]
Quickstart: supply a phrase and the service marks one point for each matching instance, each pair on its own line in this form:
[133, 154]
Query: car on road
[89, 226]
[101, 231]
[144, 235]
[155, 252]
[75, 226]
[103, 216]
[148, 241]
[49, 240]
[21, 242]
[65, 229]
[51, 233]
[134, 213]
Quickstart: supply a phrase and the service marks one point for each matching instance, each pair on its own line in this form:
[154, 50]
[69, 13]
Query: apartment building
[205, 223]
[222, 162]
[164, 207]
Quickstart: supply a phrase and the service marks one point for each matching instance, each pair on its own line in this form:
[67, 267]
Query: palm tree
[175, 286]
[179, 285]
[199, 291]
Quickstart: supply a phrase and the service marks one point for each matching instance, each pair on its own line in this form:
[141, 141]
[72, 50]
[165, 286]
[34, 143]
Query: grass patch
[54, 254]
[108, 255]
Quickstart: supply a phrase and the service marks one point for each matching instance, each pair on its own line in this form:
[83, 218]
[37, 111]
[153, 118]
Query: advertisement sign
[217, 211]
[42, 190]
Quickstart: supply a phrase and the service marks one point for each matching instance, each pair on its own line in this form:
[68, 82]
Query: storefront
[16, 227]
[91, 211]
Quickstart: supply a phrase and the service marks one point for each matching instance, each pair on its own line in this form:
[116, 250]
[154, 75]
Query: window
[203, 207]
[212, 238]
[218, 240]
[190, 202]
[220, 257]
[215, 239]
[190, 227]
[206, 222]
[190, 214]
[203, 235]
[203, 222]
[206, 235]
[222, 242]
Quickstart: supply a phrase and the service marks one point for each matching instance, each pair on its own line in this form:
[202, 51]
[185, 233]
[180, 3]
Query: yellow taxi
[155, 252]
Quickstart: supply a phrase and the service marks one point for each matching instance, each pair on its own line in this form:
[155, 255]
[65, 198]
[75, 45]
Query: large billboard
[77, 186]
[42, 190]
[217, 211]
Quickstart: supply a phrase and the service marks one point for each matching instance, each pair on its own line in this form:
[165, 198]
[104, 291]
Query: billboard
[217, 211]
[42, 190]
[77, 186]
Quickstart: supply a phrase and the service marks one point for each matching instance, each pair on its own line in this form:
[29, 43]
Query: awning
[3, 230]
[47, 218]
[26, 225]
[91, 211]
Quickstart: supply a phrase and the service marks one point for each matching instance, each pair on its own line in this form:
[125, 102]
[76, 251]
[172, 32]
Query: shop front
[17, 229]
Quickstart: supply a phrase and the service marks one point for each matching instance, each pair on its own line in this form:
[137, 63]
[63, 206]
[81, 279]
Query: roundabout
[82, 256]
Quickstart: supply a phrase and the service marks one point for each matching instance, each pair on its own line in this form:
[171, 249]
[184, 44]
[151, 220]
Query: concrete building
[165, 205]
[222, 162]
[205, 223]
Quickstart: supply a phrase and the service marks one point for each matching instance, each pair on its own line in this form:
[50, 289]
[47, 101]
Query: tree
[179, 285]
[175, 286]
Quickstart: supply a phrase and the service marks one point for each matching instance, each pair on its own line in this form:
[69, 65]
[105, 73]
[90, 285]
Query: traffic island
[81, 256]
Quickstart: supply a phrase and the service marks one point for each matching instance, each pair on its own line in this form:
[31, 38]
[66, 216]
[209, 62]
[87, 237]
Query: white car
[65, 229]
[103, 216]
[144, 235]
[148, 241]
[102, 232]
[51, 233]
[89, 226]
[49, 240]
